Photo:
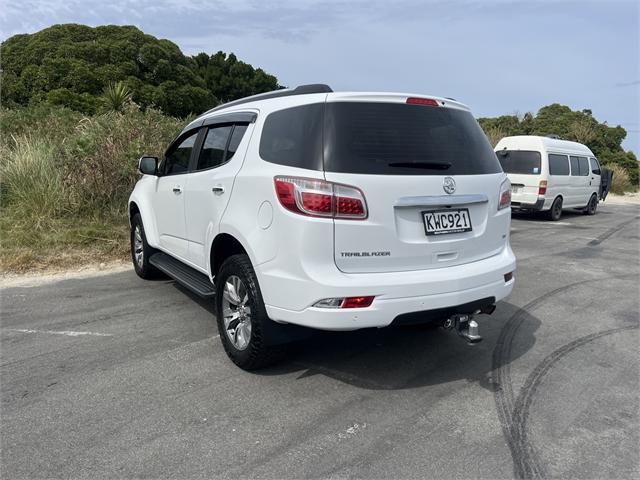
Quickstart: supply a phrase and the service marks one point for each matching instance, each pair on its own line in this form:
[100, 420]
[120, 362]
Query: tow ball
[465, 326]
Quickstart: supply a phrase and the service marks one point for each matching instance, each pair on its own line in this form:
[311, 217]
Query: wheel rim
[138, 246]
[236, 313]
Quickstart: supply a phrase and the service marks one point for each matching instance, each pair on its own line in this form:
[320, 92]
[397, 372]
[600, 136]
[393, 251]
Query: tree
[72, 65]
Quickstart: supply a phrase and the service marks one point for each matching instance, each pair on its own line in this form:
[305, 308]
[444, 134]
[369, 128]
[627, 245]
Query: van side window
[595, 166]
[575, 169]
[558, 164]
[583, 163]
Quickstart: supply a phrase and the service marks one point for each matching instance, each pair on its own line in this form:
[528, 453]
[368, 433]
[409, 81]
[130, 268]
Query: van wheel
[241, 315]
[556, 210]
[592, 206]
[141, 251]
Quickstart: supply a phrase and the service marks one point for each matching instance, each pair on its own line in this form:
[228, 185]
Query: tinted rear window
[400, 139]
[521, 162]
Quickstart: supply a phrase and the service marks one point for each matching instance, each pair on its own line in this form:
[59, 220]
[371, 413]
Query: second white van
[548, 174]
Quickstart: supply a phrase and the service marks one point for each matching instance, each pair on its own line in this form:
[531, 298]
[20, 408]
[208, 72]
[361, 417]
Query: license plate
[451, 220]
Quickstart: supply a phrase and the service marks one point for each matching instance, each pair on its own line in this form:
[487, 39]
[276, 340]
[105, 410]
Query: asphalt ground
[116, 377]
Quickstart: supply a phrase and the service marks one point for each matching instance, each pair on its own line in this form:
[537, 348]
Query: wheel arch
[137, 204]
[223, 246]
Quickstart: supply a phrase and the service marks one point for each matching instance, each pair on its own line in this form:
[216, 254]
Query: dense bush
[603, 140]
[71, 65]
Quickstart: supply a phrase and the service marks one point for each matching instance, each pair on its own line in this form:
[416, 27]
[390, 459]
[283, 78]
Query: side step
[186, 276]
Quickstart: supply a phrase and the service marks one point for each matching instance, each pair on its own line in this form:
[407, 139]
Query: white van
[548, 174]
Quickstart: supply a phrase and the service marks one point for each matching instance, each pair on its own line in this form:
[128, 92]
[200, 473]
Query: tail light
[505, 195]
[319, 198]
[542, 188]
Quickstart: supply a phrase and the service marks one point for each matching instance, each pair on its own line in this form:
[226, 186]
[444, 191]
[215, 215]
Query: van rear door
[524, 169]
[430, 180]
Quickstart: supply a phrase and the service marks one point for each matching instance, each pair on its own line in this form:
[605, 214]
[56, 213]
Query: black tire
[256, 353]
[592, 206]
[143, 268]
[556, 210]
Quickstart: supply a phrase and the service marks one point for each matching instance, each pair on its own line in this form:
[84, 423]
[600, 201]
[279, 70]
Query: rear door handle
[177, 189]
[218, 189]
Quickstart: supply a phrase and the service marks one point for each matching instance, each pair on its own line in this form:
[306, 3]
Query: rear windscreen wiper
[427, 165]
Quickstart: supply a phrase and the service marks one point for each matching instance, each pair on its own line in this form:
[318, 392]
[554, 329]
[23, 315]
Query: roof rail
[554, 136]
[300, 90]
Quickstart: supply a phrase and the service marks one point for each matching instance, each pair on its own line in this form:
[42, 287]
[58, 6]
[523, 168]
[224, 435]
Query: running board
[186, 276]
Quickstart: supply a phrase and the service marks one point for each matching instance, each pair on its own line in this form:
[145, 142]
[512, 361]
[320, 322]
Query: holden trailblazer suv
[329, 210]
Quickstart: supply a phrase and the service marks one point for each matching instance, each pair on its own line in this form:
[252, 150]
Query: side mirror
[148, 165]
[596, 171]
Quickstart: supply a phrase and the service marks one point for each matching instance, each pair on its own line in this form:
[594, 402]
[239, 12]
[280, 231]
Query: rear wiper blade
[427, 165]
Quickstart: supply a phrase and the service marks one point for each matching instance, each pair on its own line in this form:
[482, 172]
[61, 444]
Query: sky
[497, 56]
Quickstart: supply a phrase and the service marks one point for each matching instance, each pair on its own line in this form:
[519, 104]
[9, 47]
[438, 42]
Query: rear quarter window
[293, 137]
[520, 162]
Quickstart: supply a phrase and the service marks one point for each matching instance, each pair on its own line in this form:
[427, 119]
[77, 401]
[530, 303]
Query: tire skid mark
[529, 464]
[612, 231]
[501, 377]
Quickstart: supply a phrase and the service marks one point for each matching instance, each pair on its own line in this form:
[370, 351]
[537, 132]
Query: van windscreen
[521, 162]
[398, 139]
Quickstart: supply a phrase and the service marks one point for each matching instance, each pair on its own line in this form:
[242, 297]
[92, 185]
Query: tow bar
[465, 326]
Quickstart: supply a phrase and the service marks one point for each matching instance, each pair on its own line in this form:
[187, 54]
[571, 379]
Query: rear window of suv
[378, 139]
[520, 162]
[400, 139]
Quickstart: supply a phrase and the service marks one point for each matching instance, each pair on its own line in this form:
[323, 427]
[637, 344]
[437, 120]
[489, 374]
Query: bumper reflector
[508, 277]
[345, 302]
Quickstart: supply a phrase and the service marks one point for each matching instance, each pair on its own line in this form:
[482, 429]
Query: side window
[236, 138]
[177, 158]
[575, 169]
[584, 166]
[558, 164]
[213, 147]
[595, 166]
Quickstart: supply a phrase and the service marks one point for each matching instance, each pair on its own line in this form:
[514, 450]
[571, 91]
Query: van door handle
[177, 189]
[218, 189]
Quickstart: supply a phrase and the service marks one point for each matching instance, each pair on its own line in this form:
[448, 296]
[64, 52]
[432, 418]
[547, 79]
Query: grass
[61, 243]
[64, 183]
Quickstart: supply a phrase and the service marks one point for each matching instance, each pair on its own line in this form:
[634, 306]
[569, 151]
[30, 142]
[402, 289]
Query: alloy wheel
[236, 312]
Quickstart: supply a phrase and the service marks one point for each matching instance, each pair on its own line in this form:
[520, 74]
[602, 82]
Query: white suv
[330, 210]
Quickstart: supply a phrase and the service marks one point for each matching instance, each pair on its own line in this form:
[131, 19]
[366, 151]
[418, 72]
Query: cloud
[628, 84]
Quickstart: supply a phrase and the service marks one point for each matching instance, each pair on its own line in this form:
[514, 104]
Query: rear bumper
[536, 206]
[399, 293]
